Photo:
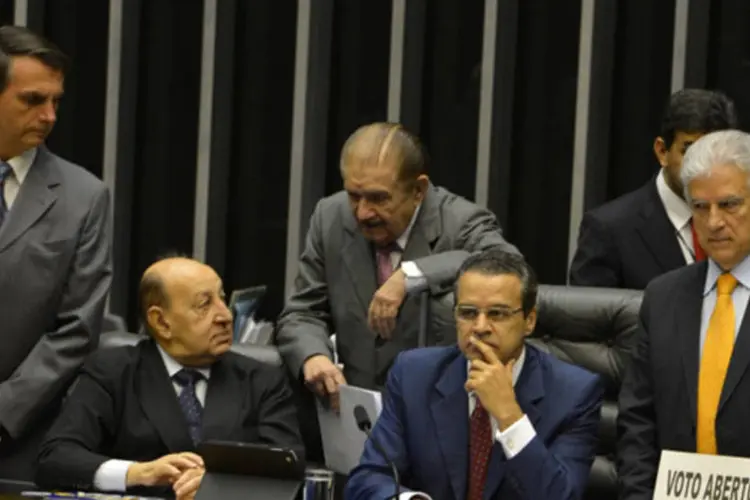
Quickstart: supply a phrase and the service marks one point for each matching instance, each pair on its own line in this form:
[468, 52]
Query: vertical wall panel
[167, 128]
[642, 80]
[79, 133]
[452, 74]
[544, 118]
[260, 143]
[359, 74]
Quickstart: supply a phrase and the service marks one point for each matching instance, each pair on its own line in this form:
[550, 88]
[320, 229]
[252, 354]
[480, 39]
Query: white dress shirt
[678, 213]
[20, 166]
[740, 295]
[513, 439]
[112, 474]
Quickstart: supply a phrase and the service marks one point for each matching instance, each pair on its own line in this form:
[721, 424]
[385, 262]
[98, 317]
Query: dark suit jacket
[55, 273]
[124, 406]
[658, 398]
[424, 428]
[337, 280]
[626, 243]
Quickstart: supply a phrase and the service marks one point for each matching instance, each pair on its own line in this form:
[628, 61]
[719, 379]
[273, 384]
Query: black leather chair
[266, 354]
[593, 328]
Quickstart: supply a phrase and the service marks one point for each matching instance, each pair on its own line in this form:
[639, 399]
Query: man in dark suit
[55, 267]
[388, 233]
[137, 413]
[629, 241]
[492, 418]
[687, 386]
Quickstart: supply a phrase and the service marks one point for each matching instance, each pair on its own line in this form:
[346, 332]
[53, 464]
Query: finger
[181, 463]
[390, 322]
[479, 365]
[166, 474]
[335, 401]
[339, 377]
[188, 487]
[487, 352]
[196, 459]
[184, 478]
[332, 387]
[319, 387]
[371, 314]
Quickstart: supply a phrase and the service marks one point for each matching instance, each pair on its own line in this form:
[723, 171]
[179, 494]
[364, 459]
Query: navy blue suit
[424, 427]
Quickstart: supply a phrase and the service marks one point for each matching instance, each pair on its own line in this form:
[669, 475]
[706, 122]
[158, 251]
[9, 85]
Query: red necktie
[480, 447]
[384, 262]
[700, 254]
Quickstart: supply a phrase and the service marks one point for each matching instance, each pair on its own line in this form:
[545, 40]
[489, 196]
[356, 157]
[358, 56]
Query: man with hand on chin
[492, 417]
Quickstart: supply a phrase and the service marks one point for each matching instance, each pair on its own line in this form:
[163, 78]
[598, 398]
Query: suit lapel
[658, 233]
[359, 261]
[739, 361]
[36, 196]
[223, 401]
[426, 230]
[529, 392]
[159, 400]
[450, 411]
[688, 325]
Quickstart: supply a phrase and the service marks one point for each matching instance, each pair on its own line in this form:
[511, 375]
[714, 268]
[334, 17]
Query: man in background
[55, 268]
[687, 388]
[390, 232]
[629, 241]
[137, 414]
[492, 417]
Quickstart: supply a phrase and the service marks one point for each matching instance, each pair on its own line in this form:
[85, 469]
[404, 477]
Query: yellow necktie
[717, 351]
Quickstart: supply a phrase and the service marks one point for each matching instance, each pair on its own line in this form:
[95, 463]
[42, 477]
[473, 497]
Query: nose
[49, 112]
[224, 314]
[364, 212]
[715, 218]
[481, 325]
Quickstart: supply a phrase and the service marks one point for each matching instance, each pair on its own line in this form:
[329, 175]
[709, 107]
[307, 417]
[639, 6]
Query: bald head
[183, 307]
[385, 145]
[160, 279]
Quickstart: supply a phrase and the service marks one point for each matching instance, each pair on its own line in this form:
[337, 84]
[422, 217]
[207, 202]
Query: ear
[661, 151]
[421, 185]
[158, 322]
[530, 322]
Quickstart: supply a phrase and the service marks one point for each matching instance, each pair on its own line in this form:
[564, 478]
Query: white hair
[725, 147]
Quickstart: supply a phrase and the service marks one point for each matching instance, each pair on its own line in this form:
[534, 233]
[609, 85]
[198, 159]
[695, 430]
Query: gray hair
[724, 147]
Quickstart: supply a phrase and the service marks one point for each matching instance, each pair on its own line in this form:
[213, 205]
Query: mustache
[372, 223]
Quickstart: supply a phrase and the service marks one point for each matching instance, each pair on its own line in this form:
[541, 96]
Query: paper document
[343, 442]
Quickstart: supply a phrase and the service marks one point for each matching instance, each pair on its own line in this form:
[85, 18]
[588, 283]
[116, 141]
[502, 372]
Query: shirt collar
[173, 366]
[22, 163]
[404, 238]
[741, 272]
[678, 212]
[517, 366]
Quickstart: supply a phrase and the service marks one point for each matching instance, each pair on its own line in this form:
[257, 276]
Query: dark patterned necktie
[189, 403]
[5, 172]
[480, 448]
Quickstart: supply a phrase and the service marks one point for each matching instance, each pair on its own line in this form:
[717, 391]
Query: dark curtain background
[261, 141]
[642, 82]
[450, 107]
[167, 78]
[360, 51]
[544, 118]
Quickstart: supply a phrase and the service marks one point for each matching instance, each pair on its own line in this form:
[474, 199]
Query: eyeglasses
[493, 314]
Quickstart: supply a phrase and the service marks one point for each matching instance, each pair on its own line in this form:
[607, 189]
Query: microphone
[365, 425]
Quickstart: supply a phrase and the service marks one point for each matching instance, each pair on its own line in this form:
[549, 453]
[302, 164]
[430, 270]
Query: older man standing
[687, 386]
[388, 233]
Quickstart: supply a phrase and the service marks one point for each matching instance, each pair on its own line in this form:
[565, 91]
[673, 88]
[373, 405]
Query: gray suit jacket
[337, 280]
[55, 273]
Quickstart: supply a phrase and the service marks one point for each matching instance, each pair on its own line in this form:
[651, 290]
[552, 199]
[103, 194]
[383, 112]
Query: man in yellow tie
[687, 386]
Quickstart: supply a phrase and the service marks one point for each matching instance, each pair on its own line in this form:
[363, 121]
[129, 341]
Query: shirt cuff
[515, 438]
[112, 475]
[415, 495]
[415, 280]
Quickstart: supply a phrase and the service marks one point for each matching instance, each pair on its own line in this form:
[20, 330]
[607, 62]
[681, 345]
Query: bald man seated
[133, 420]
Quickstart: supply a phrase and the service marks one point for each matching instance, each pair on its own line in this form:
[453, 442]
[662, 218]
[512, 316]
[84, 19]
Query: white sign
[705, 477]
